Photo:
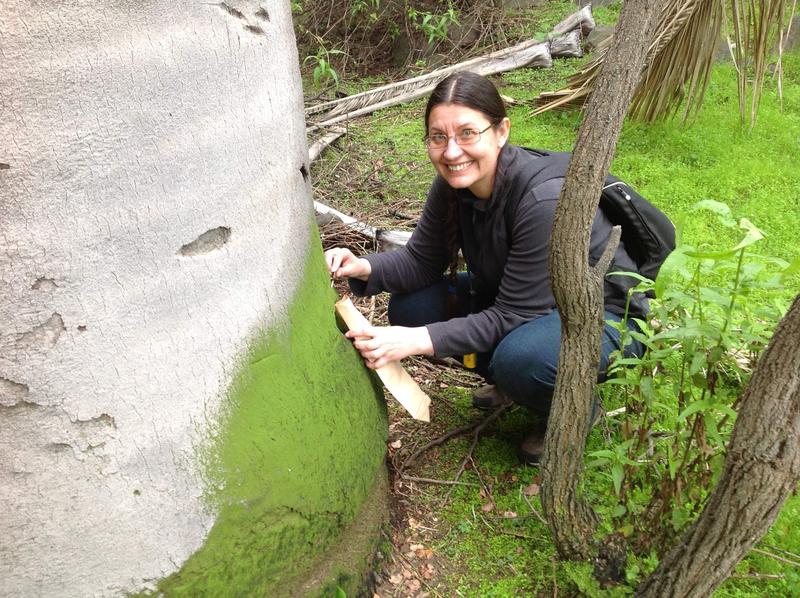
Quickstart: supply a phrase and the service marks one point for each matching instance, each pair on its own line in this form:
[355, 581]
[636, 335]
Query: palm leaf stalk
[763, 21]
[784, 35]
[680, 58]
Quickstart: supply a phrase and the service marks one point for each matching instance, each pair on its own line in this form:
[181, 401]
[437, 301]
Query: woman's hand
[380, 345]
[342, 263]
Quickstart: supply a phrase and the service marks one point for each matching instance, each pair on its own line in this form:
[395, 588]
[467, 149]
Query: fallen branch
[436, 442]
[533, 509]
[775, 556]
[411, 478]
[527, 53]
[323, 142]
[475, 435]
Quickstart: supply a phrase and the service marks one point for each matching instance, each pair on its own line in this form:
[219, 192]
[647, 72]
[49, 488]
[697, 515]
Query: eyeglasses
[463, 137]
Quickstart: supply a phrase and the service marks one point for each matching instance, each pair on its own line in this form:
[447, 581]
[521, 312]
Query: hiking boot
[531, 449]
[489, 397]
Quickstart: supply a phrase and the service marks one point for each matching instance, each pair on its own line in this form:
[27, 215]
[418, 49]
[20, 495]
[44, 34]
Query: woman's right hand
[343, 263]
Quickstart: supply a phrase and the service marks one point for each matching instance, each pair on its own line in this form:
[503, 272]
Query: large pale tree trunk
[177, 408]
[578, 288]
[762, 469]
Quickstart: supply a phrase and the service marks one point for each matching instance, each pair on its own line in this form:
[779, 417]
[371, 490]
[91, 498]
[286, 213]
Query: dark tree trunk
[578, 288]
[761, 470]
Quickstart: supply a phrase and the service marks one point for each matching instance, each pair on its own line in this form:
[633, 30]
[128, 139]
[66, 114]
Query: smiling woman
[464, 147]
[487, 203]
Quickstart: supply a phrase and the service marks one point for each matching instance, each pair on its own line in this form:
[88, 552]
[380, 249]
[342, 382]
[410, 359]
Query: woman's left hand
[380, 345]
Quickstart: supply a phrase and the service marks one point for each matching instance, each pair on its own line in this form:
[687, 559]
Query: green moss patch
[302, 444]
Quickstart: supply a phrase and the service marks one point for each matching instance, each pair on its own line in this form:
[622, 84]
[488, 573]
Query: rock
[401, 50]
[466, 34]
[597, 36]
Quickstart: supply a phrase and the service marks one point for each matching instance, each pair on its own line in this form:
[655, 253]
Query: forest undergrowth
[466, 518]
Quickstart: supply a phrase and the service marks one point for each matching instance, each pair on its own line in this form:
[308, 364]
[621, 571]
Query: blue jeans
[523, 364]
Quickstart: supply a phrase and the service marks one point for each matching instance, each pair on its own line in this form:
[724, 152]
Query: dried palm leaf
[758, 28]
[681, 55]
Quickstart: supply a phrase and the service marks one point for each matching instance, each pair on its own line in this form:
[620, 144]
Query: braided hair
[476, 92]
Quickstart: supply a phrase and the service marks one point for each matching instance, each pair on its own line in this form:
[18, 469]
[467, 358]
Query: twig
[781, 550]
[533, 510]
[555, 579]
[396, 456]
[760, 576]
[475, 435]
[775, 556]
[371, 317]
[400, 215]
[436, 442]
[489, 525]
[486, 490]
[412, 478]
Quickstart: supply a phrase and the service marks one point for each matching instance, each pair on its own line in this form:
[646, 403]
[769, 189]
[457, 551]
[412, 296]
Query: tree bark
[177, 406]
[578, 288]
[762, 468]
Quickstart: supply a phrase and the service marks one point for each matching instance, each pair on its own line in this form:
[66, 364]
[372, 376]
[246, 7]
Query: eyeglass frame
[426, 138]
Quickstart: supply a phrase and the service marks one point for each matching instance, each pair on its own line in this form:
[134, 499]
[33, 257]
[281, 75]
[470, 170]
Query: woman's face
[466, 166]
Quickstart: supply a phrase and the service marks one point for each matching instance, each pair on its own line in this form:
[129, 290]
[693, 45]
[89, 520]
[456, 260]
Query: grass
[382, 164]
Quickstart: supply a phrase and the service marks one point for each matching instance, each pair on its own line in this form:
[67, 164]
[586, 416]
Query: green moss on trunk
[302, 443]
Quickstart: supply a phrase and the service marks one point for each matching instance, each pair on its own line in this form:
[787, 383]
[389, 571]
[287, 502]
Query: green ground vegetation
[504, 549]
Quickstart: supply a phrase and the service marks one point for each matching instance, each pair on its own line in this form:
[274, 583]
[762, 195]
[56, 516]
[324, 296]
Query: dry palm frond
[680, 60]
[758, 25]
[784, 35]
[681, 55]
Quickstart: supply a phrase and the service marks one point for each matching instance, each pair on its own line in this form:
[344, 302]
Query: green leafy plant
[370, 8]
[435, 26]
[323, 72]
[715, 314]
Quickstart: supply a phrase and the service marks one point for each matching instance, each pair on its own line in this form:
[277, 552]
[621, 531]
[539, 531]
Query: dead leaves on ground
[414, 569]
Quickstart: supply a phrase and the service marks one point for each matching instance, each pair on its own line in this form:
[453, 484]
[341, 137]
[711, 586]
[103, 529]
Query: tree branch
[578, 292]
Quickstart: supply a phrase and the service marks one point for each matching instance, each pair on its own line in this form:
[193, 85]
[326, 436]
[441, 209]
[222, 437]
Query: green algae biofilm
[301, 448]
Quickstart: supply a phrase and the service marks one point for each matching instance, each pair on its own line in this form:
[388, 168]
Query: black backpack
[648, 234]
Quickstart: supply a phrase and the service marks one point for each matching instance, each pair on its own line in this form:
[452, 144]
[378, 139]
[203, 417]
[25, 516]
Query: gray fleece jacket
[505, 242]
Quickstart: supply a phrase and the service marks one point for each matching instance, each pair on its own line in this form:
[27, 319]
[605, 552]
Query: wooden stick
[775, 556]
[412, 478]
[437, 441]
[396, 380]
[475, 436]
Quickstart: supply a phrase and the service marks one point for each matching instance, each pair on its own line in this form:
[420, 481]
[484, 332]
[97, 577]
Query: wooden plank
[396, 380]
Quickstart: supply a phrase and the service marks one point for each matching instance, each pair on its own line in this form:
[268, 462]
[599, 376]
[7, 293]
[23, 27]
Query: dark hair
[476, 92]
[470, 90]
